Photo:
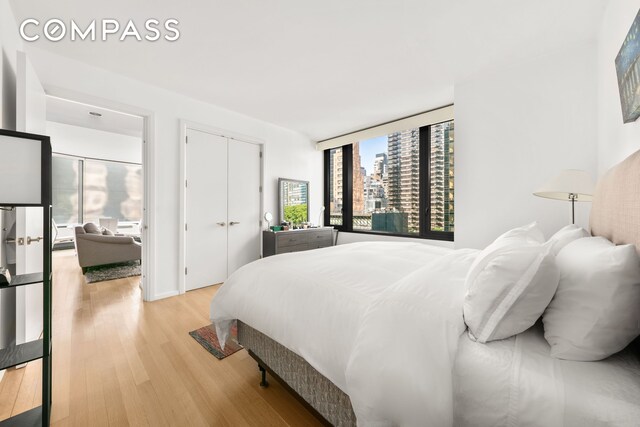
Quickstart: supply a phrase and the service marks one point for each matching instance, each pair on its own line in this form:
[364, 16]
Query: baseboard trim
[165, 295]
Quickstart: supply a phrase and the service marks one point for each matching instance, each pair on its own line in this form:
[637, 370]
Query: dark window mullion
[81, 191]
[327, 187]
[347, 187]
[425, 183]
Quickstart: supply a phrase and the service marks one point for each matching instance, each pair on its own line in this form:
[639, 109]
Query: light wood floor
[118, 361]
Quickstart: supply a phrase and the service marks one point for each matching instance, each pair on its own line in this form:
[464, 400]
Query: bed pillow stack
[596, 309]
[566, 235]
[510, 284]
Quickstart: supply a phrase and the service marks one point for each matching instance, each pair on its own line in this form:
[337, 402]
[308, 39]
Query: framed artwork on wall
[628, 70]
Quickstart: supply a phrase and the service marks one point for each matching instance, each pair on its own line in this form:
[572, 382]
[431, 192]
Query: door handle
[34, 239]
[234, 223]
[221, 224]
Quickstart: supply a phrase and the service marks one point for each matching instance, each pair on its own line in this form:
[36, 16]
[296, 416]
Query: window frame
[425, 231]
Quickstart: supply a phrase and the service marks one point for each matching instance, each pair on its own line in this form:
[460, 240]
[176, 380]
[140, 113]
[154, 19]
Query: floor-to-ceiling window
[85, 190]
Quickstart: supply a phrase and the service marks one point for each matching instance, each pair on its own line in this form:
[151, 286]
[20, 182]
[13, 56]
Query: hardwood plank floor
[118, 361]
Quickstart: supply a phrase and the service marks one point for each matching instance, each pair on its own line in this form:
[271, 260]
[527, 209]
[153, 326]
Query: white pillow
[530, 232]
[566, 235]
[596, 310]
[509, 285]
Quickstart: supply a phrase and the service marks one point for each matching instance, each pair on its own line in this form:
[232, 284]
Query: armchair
[94, 248]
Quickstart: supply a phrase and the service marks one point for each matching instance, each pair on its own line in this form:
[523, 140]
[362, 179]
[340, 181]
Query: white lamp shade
[570, 181]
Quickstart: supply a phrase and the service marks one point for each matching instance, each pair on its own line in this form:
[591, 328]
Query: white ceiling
[328, 67]
[77, 114]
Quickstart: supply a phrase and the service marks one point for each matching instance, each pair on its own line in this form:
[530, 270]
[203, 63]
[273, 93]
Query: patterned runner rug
[208, 338]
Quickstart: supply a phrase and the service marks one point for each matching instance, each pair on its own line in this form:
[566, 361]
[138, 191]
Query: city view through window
[386, 182]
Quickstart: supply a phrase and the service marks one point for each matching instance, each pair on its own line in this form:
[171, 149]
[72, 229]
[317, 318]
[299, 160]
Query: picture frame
[628, 71]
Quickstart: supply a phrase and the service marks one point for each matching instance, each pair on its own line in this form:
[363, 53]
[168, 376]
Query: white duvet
[381, 320]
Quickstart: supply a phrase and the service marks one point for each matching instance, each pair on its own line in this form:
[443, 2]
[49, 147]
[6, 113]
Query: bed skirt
[325, 399]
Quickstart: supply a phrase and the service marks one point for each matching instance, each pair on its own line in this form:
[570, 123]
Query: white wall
[616, 140]
[516, 128]
[10, 43]
[288, 154]
[86, 142]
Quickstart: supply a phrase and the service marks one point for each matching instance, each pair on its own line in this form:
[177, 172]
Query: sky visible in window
[368, 150]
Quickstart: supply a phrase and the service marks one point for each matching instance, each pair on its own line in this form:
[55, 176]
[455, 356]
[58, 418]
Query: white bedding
[312, 302]
[383, 321]
[515, 382]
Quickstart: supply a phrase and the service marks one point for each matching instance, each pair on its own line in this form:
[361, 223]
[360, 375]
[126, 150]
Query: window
[84, 190]
[334, 186]
[441, 177]
[66, 176]
[401, 183]
[112, 189]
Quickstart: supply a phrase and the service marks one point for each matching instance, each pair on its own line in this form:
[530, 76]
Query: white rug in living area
[112, 272]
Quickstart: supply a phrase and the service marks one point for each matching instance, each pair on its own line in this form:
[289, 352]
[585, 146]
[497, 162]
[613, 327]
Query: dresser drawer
[293, 248]
[291, 239]
[317, 235]
[320, 244]
[321, 240]
[274, 243]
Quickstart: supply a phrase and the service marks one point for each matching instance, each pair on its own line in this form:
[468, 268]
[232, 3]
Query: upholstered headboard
[615, 213]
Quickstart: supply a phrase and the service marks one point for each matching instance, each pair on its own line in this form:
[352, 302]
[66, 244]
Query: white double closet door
[223, 207]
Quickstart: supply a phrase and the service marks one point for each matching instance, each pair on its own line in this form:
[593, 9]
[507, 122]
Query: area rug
[208, 338]
[112, 272]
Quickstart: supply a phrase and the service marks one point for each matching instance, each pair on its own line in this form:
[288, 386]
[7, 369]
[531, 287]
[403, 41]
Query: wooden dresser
[282, 242]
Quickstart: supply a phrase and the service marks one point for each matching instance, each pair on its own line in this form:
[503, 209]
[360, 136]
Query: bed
[360, 324]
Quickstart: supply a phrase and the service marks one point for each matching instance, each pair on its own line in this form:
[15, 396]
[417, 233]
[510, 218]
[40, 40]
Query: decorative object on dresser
[572, 185]
[26, 179]
[281, 242]
[268, 216]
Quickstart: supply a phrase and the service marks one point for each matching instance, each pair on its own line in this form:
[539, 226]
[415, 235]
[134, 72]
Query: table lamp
[572, 185]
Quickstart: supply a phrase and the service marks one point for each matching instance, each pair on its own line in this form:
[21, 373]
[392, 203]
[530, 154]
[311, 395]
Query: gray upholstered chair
[94, 248]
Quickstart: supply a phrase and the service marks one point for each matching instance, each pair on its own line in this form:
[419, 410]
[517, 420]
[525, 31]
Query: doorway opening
[100, 188]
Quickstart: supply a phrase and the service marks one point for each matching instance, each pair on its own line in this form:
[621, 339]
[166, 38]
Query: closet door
[206, 210]
[244, 203]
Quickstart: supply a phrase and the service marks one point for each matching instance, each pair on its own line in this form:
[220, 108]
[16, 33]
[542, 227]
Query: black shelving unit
[39, 349]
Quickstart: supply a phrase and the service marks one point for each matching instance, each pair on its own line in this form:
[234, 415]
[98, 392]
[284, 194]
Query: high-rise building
[335, 174]
[441, 177]
[380, 166]
[358, 181]
[403, 175]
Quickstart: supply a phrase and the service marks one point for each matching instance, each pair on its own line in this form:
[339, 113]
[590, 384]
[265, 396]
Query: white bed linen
[312, 302]
[515, 382]
[400, 372]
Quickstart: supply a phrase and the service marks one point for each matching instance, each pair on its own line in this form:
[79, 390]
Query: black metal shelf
[21, 353]
[40, 349]
[23, 280]
[32, 417]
